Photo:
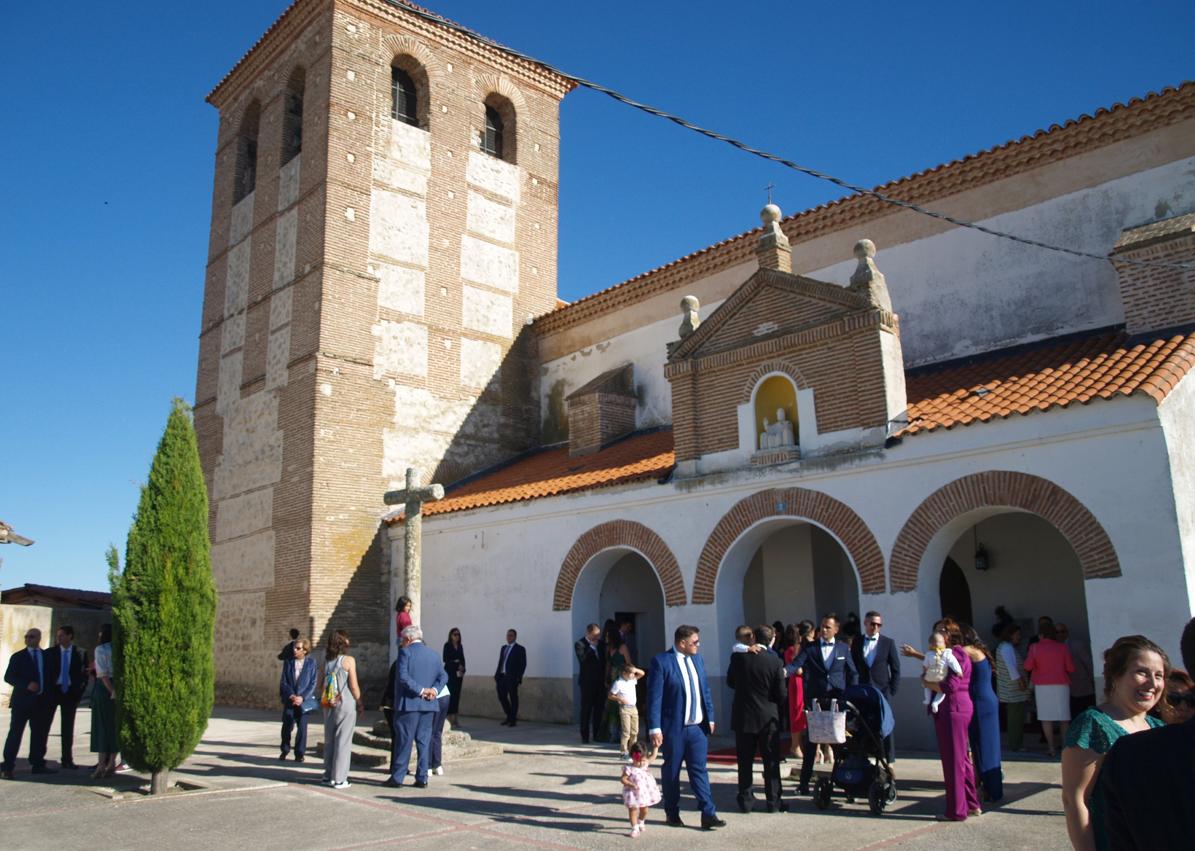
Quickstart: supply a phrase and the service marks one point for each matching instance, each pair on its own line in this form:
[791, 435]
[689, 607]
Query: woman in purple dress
[951, 722]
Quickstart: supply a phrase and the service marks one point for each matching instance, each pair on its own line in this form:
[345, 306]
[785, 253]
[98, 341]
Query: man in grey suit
[417, 685]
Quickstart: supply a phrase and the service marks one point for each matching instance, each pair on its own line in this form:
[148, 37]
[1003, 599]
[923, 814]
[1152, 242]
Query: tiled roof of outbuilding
[1055, 373]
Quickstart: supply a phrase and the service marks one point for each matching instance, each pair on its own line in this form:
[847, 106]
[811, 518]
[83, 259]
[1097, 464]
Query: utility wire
[787, 163]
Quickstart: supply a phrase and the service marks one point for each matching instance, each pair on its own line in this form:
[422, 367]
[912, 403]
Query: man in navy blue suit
[878, 662]
[828, 669]
[27, 675]
[508, 676]
[421, 676]
[680, 719]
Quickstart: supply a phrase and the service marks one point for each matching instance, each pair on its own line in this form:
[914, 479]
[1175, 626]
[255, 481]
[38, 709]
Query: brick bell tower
[384, 223]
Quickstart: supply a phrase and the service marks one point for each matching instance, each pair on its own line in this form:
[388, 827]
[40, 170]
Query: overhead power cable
[787, 163]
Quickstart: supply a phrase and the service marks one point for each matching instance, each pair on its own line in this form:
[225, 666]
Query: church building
[855, 407]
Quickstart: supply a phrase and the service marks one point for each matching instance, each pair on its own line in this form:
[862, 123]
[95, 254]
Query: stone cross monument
[412, 498]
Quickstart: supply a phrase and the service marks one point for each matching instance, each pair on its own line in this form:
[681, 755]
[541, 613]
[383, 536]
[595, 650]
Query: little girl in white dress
[639, 789]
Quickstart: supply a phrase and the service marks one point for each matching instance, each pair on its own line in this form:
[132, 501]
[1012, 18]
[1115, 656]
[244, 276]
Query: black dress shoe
[512, 723]
[711, 823]
[43, 769]
[780, 807]
[300, 758]
[68, 766]
[674, 821]
[506, 723]
[283, 755]
[803, 791]
[420, 784]
[744, 805]
[390, 784]
[5, 775]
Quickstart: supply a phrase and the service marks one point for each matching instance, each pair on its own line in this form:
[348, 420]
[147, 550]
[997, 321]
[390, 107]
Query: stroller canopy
[873, 706]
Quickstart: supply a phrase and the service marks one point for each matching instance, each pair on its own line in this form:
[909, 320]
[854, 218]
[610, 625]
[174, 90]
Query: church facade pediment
[787, 368]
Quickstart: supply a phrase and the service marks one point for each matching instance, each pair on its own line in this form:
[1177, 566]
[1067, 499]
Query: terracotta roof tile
[1023, 380]
[552, 472]
[1053, 374]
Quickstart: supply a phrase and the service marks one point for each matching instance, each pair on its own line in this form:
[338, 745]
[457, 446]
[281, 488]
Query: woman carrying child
[639, 789]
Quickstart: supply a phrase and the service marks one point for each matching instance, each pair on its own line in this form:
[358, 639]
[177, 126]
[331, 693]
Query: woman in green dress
[1135, 671]
[103, 707]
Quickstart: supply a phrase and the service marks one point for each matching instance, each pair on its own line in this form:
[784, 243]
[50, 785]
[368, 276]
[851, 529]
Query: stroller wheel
[821, 793]
[877, 798]
[890, 790]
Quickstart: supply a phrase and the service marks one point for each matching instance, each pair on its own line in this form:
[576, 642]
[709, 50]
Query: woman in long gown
[950, 723]
[985, 723]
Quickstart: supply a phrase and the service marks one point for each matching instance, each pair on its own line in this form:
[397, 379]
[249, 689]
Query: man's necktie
[64, 679]
[41, 680]
[691, 689]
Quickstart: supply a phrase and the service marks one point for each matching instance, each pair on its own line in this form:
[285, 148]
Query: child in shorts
[939, 661]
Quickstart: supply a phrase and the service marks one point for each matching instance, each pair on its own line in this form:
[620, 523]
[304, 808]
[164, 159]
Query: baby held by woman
[938, 661]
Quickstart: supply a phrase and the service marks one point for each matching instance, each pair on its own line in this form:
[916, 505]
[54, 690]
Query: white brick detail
[482, 310]
[485, 263]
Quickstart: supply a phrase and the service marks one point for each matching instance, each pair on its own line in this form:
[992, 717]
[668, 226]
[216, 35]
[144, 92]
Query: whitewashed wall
[957, 293]
[492, 568]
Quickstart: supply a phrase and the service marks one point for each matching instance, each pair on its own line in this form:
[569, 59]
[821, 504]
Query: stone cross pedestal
[412, 498]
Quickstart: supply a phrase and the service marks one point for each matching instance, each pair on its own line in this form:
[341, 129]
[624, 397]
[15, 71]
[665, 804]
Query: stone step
[371, 748]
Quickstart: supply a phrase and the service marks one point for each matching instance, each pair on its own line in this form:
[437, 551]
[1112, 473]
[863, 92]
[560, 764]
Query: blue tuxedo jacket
[419, 667]
[304, 687]
[666, 696]
[822, 679]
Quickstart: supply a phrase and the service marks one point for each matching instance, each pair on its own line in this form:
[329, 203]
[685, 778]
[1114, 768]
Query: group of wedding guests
[423, 691]
[54, 681]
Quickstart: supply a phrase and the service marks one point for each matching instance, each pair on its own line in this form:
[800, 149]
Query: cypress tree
[164, 611]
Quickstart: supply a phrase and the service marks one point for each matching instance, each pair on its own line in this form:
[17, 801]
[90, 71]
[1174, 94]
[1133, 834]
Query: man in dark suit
[1146, 781]
[26, 674]
[512, 663]
[878, 662]
[828, 669]
[421, 677]
[758, 683]
[66, 677]
[680, 719]
[591, 657]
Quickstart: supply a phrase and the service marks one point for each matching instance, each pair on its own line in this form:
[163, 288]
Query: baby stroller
[861, 766]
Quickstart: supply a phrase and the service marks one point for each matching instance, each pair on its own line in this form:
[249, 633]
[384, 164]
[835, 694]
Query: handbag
[827, 726]
[310, 704]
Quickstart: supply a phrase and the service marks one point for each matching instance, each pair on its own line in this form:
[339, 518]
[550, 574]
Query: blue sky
[108, 147]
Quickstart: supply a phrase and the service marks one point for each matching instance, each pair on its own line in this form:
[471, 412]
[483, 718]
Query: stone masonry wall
[255, 389]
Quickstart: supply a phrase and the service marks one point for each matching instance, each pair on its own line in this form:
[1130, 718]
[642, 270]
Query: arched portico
[946, 513]
[794, 505]
[622, 535]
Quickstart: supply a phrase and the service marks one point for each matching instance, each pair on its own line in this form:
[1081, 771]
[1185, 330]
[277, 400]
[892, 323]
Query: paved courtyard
[546, 791]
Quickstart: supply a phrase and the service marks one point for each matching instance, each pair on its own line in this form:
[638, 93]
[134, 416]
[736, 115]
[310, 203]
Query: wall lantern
[982, 560]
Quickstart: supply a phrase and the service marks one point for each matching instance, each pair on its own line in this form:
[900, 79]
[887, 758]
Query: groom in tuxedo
[680, 720]
[828, 669]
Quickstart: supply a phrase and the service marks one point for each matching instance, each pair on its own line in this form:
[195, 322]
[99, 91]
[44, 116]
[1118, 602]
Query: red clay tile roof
[1036, 377]
[1039, 377]
[551, 472]
[73, 597]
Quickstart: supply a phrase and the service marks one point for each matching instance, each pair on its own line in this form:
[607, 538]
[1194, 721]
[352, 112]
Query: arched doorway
[620, 581]
[955, 593]
[798, 571]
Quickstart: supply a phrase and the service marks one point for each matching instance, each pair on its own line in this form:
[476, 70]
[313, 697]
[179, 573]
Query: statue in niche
[777, 435]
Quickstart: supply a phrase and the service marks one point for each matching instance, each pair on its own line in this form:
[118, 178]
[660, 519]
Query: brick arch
[836, 517]
[404, 45]
[487, 83]
[1007, 489]
[619, 533]
[783, 367]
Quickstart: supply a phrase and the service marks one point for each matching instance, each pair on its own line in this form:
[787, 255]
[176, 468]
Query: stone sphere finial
[690, 303]
[865, 248]
[769, 214]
